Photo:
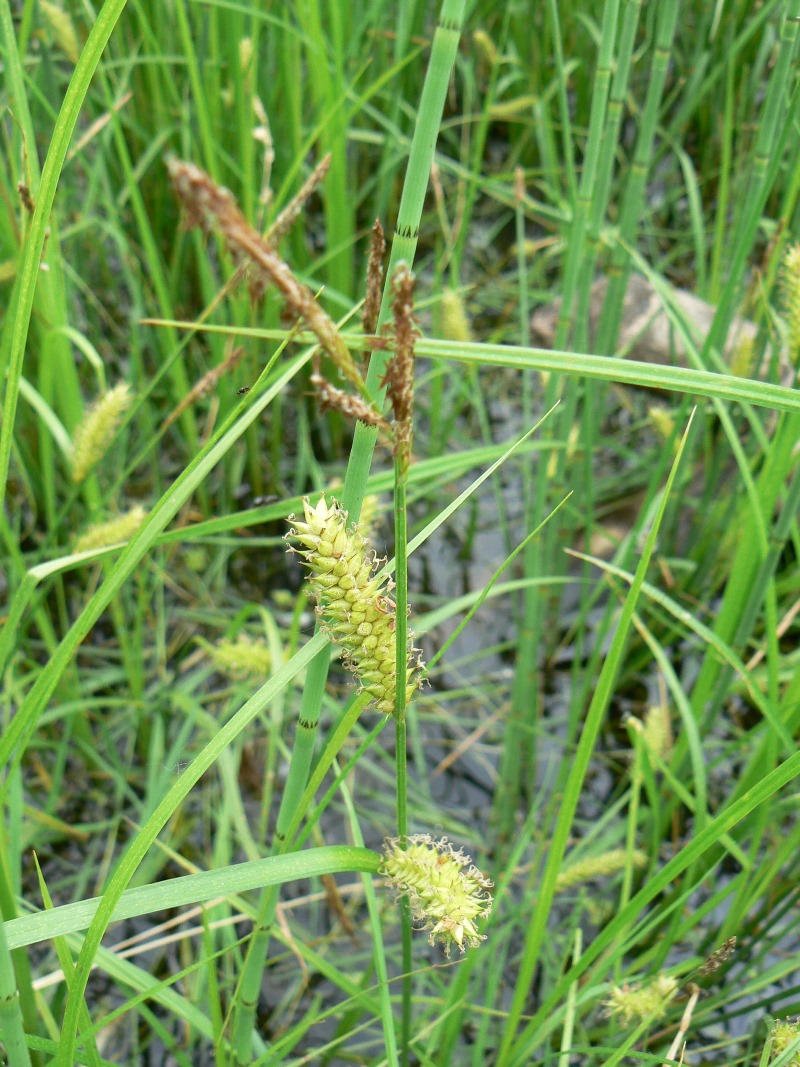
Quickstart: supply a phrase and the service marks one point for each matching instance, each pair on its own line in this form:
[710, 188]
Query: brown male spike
[208, 204]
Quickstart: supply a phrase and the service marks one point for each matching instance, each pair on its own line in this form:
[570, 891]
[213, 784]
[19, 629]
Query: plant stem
[11, 1025]
[401, 597]
[445, 43]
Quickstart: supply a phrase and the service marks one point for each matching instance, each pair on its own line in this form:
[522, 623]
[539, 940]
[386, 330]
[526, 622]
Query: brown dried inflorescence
[354, 407]
[718, 957]
[208, 204]
[206, 384]
[399, 377]
[374, 294]
[284, 222]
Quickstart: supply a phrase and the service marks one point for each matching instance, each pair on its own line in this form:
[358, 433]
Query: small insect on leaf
[243, 390]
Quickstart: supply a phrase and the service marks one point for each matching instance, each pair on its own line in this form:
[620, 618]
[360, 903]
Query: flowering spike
[372, 302]
[647, 1001]
[333, 399]
[240, 659]
[447, 898]
[94, 433]
[207, 204]
[606, 864]
[718, 957]
[399, 377]
[784, 1034]
[284, 222]
[791, 299]
[351, 600]
[455, 320]
[113, 531]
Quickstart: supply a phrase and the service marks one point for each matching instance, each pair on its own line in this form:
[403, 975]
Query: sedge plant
[605, 138]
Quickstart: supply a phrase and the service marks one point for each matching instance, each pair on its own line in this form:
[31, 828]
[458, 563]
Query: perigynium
[352, 600]
[113, 531]
[647, 1000]
[96, 430]
[445, 894]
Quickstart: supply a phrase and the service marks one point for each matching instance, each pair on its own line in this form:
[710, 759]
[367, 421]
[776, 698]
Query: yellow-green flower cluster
[239, 659]
[62, 28]
[96, 430]
[445, 897]
[113, 531]
[607, 863]
[455, 321]
[791, 298]
[785, 1034]
[648, 1001]
[351, 600]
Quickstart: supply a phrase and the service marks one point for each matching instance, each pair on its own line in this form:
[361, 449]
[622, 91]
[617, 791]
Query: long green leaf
[191, 889]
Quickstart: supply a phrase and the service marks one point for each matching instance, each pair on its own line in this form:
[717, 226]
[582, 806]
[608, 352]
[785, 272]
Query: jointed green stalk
[402, 455]
[636, 186]
[28, 274]
[401, 620]
[423, 144]
[569, 802]
[524, 711]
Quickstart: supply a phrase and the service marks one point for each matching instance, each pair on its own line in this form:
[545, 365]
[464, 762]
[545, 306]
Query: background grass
[607, 137]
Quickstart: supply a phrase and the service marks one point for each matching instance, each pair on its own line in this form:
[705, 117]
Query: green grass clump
[599, 538]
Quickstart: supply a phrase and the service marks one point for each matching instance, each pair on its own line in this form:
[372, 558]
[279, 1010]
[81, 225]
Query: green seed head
[647, 1001]
[96, 430]
[791, 298]
[113, 531]
[784, 1034]
[444, 894]
[352, 602]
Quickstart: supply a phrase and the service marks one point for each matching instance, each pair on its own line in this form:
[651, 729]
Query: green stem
[580, 764]
[401, 665]
[524, 710]
[28, 275]
[445, 43]
[255, 958]
[12, 1007]
[11, 1026]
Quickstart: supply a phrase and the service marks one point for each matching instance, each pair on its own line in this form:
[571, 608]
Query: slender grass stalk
[15, 965]
[28, 272]
[576, 250]
[594, 718]
[401, 766]
[594, 404]
[636, 780]
[636, 186]
[779, 459]
[597, 209]
[11, 1024]
[56, 375]
[525, 705]
[327, 86]
[564, 116]
[569, 1019]
[423, 144]
[65, 959]
[579, 227]
[378, 953]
